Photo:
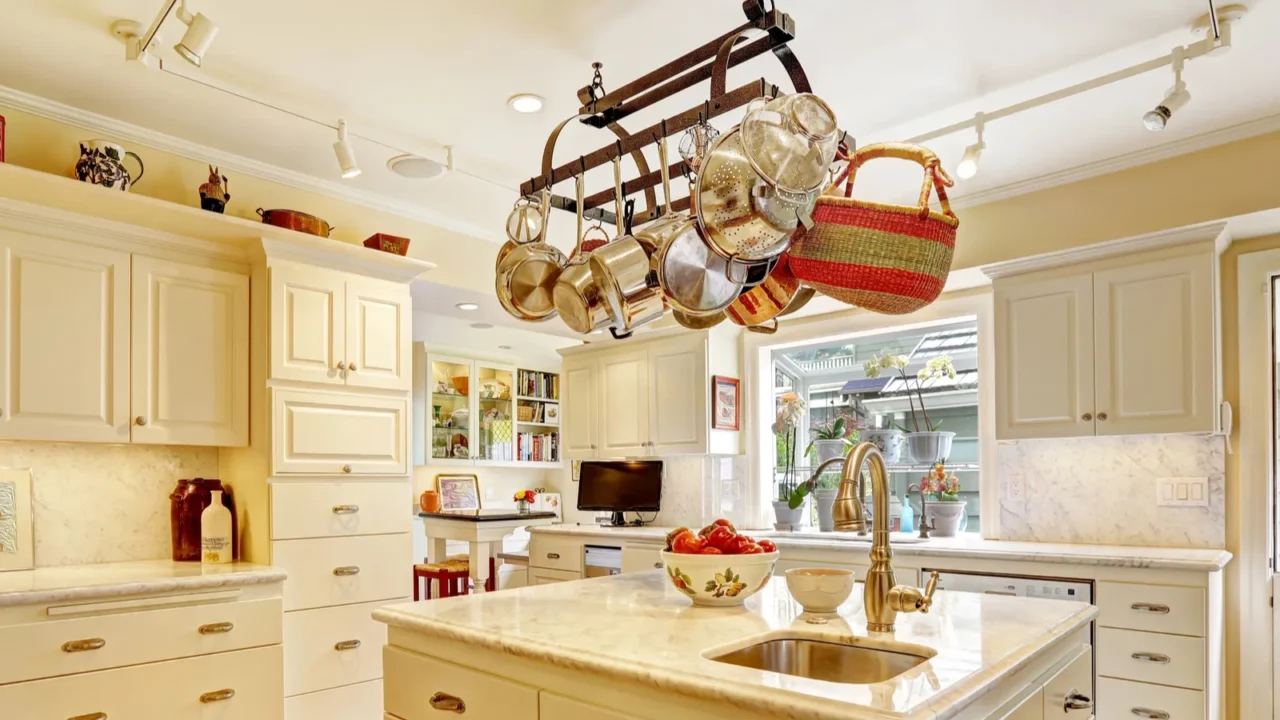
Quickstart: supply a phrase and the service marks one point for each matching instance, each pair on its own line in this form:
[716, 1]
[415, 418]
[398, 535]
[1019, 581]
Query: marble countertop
[639, 628]
[110, 580]
[964, 546]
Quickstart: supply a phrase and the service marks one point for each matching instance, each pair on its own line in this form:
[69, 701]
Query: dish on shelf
[494, 389]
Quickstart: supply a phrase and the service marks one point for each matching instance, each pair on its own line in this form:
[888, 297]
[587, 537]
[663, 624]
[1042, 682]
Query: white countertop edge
[115, 580]
[758, 699]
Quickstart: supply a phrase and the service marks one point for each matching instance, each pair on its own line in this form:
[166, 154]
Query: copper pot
[293, 220]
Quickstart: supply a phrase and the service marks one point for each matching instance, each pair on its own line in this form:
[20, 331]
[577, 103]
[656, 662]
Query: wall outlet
[1015, 492]
[1182, 492]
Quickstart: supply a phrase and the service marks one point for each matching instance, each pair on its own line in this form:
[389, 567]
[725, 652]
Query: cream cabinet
[580, 423]
[624, 404]
[336, 329]
[558, 707]
[319, 433]
[1120, 347]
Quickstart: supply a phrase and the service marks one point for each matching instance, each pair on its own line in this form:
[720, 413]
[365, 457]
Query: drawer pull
[1150, 608]
[217, 696]
[1076, 701]
[347, 645]
[1149, 713]
[346, 509]
[346, 468]
[553, 556]
[658, 565]
[448, 703]
[1151, 657]
[347, 570]
[90, 716]
[216, 628]
[73, 646]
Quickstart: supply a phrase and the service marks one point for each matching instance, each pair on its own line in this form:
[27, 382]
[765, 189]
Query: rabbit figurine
[213, 194]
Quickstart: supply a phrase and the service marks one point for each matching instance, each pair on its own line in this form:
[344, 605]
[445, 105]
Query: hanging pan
[576, 296]
[526, 277]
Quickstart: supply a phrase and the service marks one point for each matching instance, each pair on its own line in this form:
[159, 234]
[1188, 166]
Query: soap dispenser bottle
[215, 532]
[908, 517]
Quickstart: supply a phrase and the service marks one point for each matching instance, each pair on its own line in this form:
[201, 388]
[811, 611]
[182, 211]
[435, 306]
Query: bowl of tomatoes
[717, 566]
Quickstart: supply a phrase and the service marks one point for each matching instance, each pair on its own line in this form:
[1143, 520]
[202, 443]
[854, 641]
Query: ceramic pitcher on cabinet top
[101, 163]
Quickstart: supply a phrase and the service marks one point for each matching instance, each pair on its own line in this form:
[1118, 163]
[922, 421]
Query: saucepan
[576, 296]
[621, 271]
[294, 220]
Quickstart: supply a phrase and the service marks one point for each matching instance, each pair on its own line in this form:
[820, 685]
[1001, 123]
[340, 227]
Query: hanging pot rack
[766, 30]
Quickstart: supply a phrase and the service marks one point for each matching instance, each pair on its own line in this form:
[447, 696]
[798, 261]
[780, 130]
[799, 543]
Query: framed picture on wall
[724, 403]
[458, 492]
[16, 537]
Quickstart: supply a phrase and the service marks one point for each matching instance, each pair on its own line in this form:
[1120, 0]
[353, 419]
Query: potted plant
[945, 514]
[927, 445]
[788, 509]
[524, 498]
[830, 440]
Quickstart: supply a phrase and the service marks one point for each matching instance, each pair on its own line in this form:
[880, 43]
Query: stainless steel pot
[576, 295]
[526, 277]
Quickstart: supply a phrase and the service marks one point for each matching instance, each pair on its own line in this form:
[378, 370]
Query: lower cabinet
[557, 707]
[362, 701]
[639, 558]
[1125, 700]
[542, 576]
[422, 688]
[1064, 697]
[332, 647]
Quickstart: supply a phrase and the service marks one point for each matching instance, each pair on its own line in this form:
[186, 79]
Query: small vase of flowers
[926, 445]
[946, 511]
[524, 498]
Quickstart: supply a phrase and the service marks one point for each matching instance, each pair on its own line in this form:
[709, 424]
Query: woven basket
[524, 413]
[891, 259]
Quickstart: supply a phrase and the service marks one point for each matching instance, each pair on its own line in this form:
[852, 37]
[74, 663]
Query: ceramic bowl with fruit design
[719, 580]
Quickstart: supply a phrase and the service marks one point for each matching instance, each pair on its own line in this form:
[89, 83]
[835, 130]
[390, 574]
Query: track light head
[968, 166]
[346, 154]
[199, 36]
[1157, 118]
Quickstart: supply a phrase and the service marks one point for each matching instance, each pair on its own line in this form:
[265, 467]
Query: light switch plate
[1182, 492]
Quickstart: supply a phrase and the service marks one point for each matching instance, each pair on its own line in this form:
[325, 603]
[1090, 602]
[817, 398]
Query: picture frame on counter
[726, 412]
[17, 538]
[458, 491]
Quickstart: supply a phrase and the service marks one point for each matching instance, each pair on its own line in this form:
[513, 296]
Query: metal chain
[597, 84]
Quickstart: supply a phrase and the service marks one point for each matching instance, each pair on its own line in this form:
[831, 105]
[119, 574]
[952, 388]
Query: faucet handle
[908, 599]
[926, 602]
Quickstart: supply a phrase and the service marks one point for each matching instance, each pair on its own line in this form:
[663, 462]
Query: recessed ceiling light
[467, 306]
[504, 347]
[481, 326]
[525, 103]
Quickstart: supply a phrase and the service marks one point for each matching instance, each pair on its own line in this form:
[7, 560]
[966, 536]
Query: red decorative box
[388, 243]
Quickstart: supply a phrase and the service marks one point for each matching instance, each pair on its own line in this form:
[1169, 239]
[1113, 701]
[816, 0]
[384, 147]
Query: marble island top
[109, 580]
[968, 545]
[638, 628]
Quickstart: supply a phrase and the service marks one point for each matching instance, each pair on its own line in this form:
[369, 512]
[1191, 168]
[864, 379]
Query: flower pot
[947, 517]
[888, 442]
[522, 507]
[826, 500]
[791, 519]
[929, 447]
[828, 449]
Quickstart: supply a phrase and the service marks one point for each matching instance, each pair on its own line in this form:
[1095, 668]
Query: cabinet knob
[1149, 713]
[216, 628]
[1076, 701]
[346, 468]
[1102, 416]
[448, 703]
[346, 570]
[140, 420]
[74, 646]
[1086, 417]
[345, 509]
[217, 696]
[593, 447]
[352, 367]
[347, 645]
[342, 365]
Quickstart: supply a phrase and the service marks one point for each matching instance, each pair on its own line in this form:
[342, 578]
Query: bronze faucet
[882, 597]
[925, 527]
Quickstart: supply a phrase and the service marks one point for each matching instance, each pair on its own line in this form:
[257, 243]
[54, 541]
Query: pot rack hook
[664, 128]
[618, 143]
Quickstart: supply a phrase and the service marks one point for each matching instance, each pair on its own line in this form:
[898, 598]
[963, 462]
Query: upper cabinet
[335, 329]
[1117, 347]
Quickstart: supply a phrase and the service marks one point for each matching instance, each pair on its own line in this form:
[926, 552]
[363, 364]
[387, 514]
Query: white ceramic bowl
[820, 590]
[719, 580]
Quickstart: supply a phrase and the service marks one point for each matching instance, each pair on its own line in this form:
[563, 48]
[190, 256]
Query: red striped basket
[891, 259]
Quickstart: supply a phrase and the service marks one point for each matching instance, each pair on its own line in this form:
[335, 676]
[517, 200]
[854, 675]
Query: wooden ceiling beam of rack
[642, 138]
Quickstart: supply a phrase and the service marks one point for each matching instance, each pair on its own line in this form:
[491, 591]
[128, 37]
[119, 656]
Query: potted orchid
[829, 440]
[927, 445]
[788, 508]
[524, 498]
[946, 511]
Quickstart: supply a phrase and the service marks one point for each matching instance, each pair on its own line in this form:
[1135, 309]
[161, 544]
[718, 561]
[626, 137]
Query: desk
[480, 529]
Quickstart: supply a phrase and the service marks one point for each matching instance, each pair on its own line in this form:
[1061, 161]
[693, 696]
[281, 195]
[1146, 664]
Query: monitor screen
[620, 486]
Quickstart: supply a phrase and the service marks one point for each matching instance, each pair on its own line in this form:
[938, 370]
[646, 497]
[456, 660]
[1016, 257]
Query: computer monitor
[620, 486]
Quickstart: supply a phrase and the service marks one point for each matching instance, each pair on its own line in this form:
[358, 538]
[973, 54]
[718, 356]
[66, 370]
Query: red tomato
[768, 546]
[725, 523]
[709, 550]
[687, 543]
[739, 545]
[723, 539]
[751, 549]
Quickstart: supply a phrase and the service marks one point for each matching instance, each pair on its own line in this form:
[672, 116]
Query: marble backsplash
[1103, 491]
[104, 503]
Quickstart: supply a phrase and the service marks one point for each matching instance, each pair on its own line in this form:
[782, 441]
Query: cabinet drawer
[337, 434]
[639, 558]
[413, 680]
[1124, 700]
[136, 637]
[319, 650]
[247, 681]
[1076, 679]
[341, 571]
[558, 707]
[362, 701]
[1154, 608]
[334, 509]
[1149, 657]
[542, 576]
[555, 553]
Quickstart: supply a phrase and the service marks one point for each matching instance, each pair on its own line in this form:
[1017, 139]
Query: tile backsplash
[104, 503]
[1103, 491]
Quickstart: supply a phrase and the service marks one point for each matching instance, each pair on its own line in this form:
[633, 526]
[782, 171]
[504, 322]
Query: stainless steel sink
[818, 660]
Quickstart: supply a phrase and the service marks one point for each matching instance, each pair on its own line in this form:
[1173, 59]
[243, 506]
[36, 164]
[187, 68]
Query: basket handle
[935, 178]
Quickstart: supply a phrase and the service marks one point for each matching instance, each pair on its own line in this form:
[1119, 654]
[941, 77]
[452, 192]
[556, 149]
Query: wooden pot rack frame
[777, 28]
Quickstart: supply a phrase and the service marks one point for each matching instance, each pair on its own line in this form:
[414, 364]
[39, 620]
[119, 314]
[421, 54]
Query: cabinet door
[624, 404]
[64, 349]
[318, 433]
[1154, 339]
[580, 400]
[1044, 357]
[451, 412]
[558, 707]
[1069, 695]
[1031, 709]
[678, 389]
[308, 333]
[379, 335]
[190, 355]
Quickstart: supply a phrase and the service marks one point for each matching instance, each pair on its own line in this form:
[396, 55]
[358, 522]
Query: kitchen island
[632, 646]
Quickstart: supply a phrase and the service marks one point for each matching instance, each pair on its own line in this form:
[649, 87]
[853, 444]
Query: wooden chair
[453, 574]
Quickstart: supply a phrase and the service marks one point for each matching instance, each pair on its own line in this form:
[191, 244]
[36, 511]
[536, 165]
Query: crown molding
[111, 127]
[1215, 232]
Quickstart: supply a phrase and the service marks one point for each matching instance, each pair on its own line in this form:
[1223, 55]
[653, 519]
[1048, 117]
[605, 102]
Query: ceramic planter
[827, 449]
[788, 517]
[888, 442]
[947, 518]
[929, 447]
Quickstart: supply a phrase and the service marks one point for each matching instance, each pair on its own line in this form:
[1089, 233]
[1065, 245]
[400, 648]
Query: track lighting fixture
[968, 166]
[199, 36]
[1174, 99]
[346, 154]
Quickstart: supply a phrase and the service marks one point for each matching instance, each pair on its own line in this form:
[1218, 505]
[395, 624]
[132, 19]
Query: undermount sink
[827, 661]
